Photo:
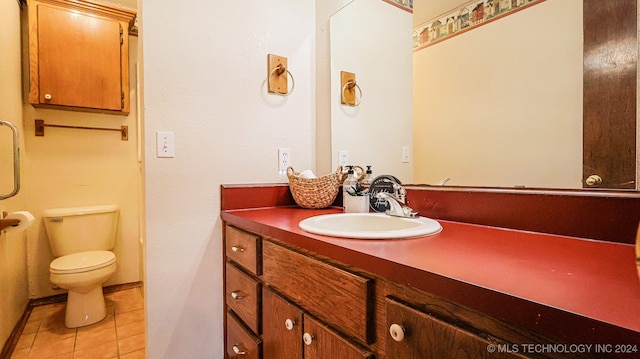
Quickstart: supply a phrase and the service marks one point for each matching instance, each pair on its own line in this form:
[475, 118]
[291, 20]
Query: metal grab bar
[16, 161]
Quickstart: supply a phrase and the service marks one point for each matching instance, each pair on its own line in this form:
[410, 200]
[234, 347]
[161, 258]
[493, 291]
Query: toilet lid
[82, 261]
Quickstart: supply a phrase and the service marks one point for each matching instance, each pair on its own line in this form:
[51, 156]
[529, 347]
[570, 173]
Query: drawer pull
[237, 249]
[397, 332]
[236, 349]
[289, 324]
[235, 295]
[307, 338]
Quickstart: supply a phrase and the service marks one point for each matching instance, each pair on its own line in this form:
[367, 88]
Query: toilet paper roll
[26, 220]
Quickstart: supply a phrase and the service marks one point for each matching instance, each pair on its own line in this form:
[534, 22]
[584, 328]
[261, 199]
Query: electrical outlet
[165, 143]
[343, 158]
[405, 154]
[284, 159]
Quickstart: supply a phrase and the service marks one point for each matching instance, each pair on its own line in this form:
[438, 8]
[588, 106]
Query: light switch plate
[165, 144]
[406, 154]
[343, 158]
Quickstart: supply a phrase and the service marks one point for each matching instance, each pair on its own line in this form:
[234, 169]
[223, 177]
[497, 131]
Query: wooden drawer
[240, 342]
[243, 248]
[340, 298]
[243, 296]
[421, 336]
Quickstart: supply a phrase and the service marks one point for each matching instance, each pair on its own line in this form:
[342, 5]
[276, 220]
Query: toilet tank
[79, 229]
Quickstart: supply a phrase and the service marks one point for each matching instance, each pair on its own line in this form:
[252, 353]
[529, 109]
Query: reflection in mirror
[372, 40]
[500, 105]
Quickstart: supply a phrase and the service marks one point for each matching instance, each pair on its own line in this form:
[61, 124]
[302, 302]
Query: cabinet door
[79, 59]
[282, 328]
[416, 335]
[323, 343]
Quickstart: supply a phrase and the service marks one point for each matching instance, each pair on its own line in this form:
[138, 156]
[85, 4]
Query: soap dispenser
[368, 177]
[354, 199]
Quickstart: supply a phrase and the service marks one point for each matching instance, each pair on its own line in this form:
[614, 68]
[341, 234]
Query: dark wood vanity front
[473, 290]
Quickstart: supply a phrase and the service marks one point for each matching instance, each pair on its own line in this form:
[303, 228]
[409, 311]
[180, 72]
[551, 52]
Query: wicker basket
[314, 192]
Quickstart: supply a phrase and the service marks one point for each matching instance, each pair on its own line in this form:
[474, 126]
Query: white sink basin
[369, 226]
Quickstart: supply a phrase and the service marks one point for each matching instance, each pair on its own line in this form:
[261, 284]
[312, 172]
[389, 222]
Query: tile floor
[120, 335]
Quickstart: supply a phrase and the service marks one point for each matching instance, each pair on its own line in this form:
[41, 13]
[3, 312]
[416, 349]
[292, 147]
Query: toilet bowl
[81, 240]
[83, 274]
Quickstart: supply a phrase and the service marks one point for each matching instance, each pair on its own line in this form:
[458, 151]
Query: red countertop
[577, 290]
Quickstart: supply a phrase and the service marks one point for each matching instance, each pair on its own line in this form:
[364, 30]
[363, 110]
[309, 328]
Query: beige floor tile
[61, 347]
[100, 350]
[132, 343]
[20, 353]
[130, 329]
[32, 326]
[128, 317]
[53, 335]
[91, 339]
[54, 318]
[138, 354]
[25, 340]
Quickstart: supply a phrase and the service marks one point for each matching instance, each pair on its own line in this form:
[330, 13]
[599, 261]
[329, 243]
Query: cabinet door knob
[235, 295]
[289, 324]
[307, 338]
[237, 350]
[47, 96]
[237, 249]
[397, 332]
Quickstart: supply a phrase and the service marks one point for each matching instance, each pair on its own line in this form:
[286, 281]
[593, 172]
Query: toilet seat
[82, 262]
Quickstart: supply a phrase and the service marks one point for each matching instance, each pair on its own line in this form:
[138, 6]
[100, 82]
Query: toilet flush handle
[55, 220]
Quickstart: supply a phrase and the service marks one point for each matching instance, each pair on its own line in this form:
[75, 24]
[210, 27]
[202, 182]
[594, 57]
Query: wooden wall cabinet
[79, 56]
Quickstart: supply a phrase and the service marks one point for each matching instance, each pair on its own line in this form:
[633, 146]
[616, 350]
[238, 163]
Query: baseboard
[12, 341]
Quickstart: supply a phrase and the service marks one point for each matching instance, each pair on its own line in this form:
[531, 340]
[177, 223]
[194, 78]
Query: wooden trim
[94, 8]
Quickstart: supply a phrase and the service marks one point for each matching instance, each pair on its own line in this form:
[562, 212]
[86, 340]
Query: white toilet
[81, 239]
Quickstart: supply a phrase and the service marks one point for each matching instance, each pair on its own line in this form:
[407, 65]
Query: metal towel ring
[351, 84]
[279, 70]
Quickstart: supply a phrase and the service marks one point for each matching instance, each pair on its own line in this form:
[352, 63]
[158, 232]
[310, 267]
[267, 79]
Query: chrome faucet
[397, 204]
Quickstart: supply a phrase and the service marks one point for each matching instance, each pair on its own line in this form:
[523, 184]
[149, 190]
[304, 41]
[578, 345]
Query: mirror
[499, 105]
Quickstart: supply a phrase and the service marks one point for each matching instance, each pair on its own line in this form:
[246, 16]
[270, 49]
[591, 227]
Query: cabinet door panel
[424, 337]
[279, 340]
[323, 343]
[79, 57]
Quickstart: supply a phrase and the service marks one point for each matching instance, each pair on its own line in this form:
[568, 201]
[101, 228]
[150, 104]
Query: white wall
[14, 293]
[372, 39]
[204, 79]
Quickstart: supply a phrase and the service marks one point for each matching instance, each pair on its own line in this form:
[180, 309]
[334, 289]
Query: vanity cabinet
[79, 56]
[283, 301]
